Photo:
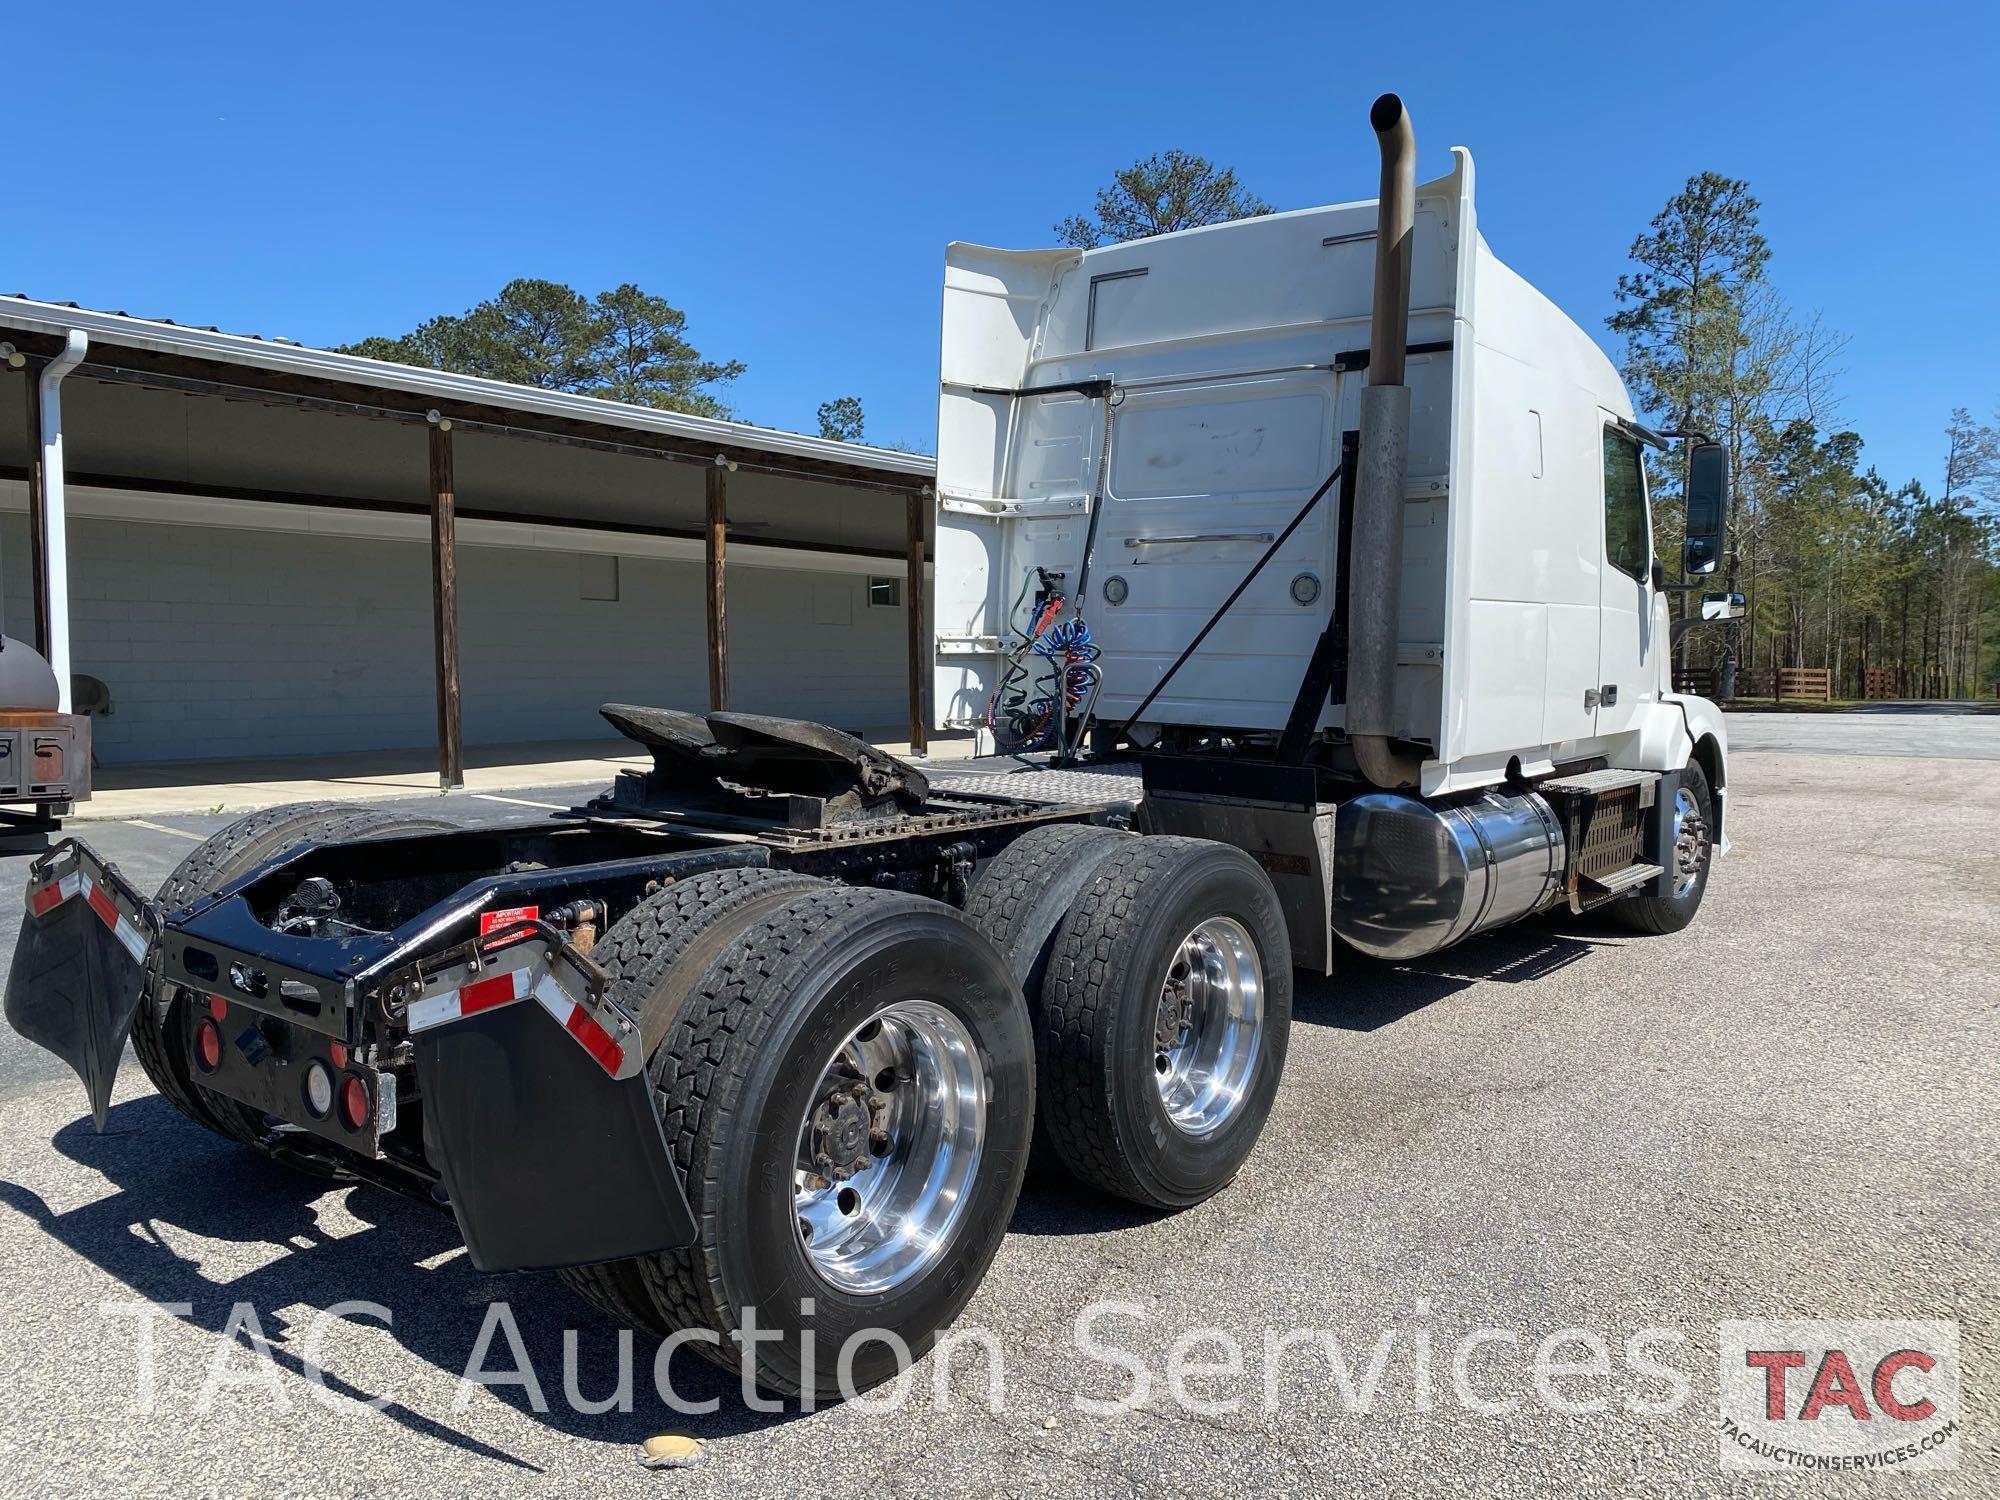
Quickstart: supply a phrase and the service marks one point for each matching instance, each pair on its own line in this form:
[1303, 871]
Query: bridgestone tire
[641, 950]
[1659, 915]
[1101, 1108]
[159, 1029]
[734, 1080]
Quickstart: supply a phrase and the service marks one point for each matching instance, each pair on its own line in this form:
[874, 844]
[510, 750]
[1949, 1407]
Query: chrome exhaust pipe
[1375, 569]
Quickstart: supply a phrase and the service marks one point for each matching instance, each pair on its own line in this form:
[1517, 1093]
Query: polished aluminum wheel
[1210, 1026]
[889, 1147]
[1690, 841]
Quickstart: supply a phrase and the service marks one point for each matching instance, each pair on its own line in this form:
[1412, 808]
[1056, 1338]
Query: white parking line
[520, 801]
[179, 833]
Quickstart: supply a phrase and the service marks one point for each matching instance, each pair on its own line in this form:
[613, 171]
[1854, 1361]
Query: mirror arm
[1640, 433]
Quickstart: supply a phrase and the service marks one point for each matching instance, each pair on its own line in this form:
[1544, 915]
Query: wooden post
[444, 606]
[913, 605]
[718, 633]
[38, 521]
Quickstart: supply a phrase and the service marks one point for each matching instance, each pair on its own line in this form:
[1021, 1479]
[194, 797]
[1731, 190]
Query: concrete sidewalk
[211, 786]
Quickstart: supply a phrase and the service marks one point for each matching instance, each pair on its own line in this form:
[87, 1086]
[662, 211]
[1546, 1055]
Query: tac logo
[1829, 1395]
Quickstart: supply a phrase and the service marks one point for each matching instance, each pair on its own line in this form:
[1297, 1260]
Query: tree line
[623, 345]
[1839, 566]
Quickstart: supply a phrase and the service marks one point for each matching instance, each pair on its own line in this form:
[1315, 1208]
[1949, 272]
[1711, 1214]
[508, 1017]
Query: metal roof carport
[155, 421]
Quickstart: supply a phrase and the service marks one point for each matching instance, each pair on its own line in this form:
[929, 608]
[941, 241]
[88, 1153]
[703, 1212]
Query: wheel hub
[890, 1147]
[1690, 841]
[840, 1128]
[1208, 1029]
[1176, 1015]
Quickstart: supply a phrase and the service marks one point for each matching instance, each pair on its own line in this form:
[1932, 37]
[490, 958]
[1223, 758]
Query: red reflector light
[208, 1046]
[338, 1051]
[354, 1102]
[218, 1007]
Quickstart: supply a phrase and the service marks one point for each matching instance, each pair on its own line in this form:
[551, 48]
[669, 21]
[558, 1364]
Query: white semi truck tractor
[1350, 532]
[1325, 521]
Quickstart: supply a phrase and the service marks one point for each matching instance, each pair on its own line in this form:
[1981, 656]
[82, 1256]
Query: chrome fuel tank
[1412, 877]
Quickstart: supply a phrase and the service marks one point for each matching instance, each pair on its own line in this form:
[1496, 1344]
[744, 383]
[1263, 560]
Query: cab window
[1627, 545]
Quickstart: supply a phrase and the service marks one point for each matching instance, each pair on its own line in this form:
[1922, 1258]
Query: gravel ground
[1789, 1110]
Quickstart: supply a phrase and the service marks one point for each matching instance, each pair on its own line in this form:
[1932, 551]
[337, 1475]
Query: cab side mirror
[1722, 606]
[1707, 505]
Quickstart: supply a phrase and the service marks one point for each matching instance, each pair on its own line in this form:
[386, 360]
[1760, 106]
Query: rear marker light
[319, 1089]
[339, 1053]
[354, 1102]
[208, 1046]
[218, 1007]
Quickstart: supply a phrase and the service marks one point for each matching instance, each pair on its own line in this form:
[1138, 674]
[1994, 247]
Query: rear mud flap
[80, 965]
[539, 1116]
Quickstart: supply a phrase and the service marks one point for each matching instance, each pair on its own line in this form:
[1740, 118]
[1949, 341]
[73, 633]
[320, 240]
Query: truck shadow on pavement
[1366, 994]
[175, 1184]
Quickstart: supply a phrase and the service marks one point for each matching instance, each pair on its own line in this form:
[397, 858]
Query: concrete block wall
[810, 646]
[219, 642]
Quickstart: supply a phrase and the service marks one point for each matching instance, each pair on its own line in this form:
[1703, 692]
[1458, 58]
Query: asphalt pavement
[1892, 729]
[1789, 1110]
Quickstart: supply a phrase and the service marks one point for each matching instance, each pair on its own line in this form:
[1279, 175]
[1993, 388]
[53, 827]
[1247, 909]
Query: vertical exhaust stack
[1375, 568]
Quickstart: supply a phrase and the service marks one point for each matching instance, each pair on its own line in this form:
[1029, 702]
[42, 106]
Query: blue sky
[790, 175]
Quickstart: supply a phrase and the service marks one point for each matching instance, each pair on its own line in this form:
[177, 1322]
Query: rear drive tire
[1020, 902]
[1158, 1108]
[639, 952]
[1024, 891]
[160, 1027]
[769, 1073]
[1687, 860]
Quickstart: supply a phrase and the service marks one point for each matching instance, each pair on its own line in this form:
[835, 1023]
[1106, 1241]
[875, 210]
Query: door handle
[1203, 536]
[1608, 695]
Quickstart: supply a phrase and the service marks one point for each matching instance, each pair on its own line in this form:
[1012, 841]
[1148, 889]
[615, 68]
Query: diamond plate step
[1597, 783]
[1118, 784]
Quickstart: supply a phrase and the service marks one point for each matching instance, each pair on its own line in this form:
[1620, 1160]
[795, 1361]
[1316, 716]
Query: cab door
[1627, 642]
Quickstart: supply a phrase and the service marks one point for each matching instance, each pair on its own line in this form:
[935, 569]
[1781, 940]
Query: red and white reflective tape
[44, 899]
[439, 1006]
[589, 1032]
[530, 977]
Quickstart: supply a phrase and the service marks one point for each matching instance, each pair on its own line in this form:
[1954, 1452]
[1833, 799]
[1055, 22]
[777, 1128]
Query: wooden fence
[1815, 683]
[1818, 684]
[1699, 681]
